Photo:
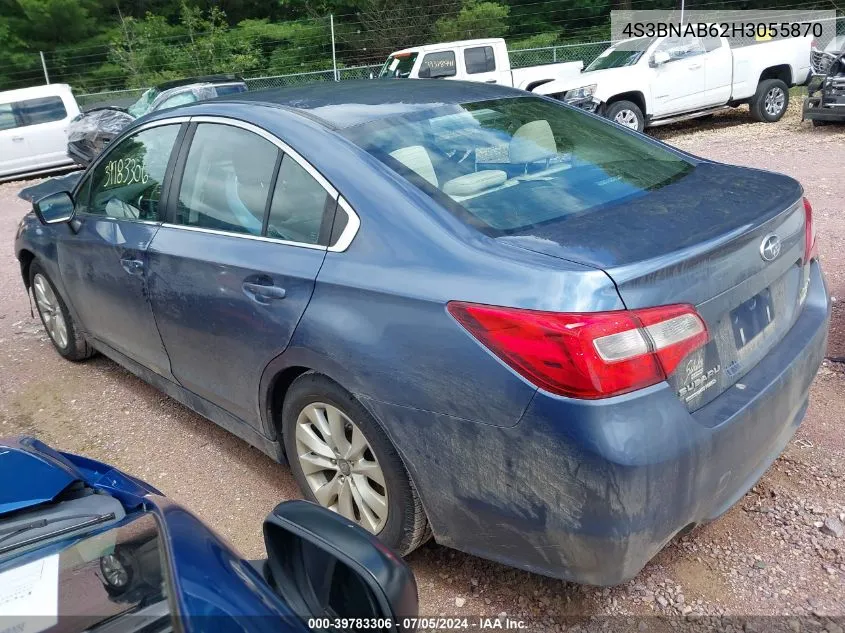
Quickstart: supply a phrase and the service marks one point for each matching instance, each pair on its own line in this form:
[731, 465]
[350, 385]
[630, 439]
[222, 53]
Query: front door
[14, 151]
[103, 264]
[233, 269]
[678, 85]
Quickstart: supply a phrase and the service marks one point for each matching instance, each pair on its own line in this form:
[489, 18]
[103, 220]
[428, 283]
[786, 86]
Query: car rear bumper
[590, 491]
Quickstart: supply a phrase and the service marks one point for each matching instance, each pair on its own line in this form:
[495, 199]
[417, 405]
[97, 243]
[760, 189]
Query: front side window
[7, 117]
[506, 165]
[398, 66]
[299, 205]
[227, 180]
[479, 60]
[126, 184]
[43, 110]
[438, 65]
[681, 47]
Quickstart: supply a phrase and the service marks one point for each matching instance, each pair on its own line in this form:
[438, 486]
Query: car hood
[33, 473]
[583, 79]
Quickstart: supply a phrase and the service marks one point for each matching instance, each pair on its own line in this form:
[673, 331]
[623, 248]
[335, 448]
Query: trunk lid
[699, 240]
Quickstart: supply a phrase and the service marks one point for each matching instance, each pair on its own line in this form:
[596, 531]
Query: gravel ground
[779, 551]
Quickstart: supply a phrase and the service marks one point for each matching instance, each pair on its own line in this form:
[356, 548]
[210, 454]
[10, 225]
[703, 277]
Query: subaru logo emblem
[770, 247]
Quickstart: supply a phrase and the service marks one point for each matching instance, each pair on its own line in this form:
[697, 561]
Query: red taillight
[586, 355]
[811, 248]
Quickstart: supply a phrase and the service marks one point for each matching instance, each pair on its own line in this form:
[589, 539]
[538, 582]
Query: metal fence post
[44, 66]
[334, 53]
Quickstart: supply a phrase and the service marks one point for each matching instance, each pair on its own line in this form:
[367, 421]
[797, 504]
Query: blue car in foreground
[85, 547]
[457, 310]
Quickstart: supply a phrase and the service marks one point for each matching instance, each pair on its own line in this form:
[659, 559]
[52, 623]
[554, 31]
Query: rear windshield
[507, 165]
[398, 66]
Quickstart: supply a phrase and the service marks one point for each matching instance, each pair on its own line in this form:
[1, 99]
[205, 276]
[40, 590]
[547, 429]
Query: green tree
[477, 18]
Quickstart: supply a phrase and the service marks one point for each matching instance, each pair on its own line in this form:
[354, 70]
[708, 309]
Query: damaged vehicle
[457, 310]
[87, 547]
[91, 131]
[825, 100]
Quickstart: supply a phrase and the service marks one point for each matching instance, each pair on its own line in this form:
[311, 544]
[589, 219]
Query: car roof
[488, 41]
[206, 79]
[47, 90]
[348, 103]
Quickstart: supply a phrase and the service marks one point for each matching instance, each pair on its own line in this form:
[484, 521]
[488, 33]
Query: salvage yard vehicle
[645, 82]
[486, 61]
[92, 130]
[438, 303]
[825, 100]
[86, 547]
[33, 129]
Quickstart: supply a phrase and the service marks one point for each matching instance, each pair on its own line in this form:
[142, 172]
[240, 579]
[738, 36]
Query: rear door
[233, 269]
[718, 70]
[480, 64]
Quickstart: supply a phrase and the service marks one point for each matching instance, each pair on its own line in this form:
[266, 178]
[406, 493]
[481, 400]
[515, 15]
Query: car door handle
[17, 139]
[694, 66]
[263, 292]
[131, 265]
[491, 81]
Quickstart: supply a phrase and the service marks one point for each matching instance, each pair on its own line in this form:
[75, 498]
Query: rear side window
[7, 117]
[227, 180]
[438, 65]
[479, 60]
[126, 184]
[299, 205]
[43, 110]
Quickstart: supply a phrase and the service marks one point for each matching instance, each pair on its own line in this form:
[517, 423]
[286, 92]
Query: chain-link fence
[585, 52]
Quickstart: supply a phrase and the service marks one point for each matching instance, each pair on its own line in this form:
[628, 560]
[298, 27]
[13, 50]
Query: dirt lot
[772, 554]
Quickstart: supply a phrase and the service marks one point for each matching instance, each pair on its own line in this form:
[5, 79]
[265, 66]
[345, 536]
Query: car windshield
[398, 66]
[143, 104]
[623, 54]
[507, 165]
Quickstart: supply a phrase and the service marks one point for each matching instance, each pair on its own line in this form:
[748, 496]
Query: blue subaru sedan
[457, 311]
[86, 547]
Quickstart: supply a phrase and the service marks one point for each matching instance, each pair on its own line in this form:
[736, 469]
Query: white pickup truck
[645, 82]
[473, 60]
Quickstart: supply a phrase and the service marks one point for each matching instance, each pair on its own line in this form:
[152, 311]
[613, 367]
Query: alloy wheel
[774, 101]
[628, 118]
[340, 467]
[50, 310]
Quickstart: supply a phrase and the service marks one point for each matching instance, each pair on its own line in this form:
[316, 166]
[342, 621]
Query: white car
[33, 129]
[645, 82]
[472, 60]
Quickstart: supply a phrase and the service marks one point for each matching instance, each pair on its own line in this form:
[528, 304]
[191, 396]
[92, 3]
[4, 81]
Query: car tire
[771, 101]
[58, 323]
[405, 526]
[626, 114]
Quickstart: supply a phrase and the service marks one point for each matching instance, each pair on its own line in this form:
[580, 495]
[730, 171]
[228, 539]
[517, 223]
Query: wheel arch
[25, 259]
[634, 96]
[781, 71]
[531, 85]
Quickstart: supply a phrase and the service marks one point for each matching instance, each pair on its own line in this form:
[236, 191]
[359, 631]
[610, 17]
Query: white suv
[33, 129]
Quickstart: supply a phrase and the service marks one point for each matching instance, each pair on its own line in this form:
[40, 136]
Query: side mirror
[325, 566]
[54, 208]
[425, 72]
[659, 58]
